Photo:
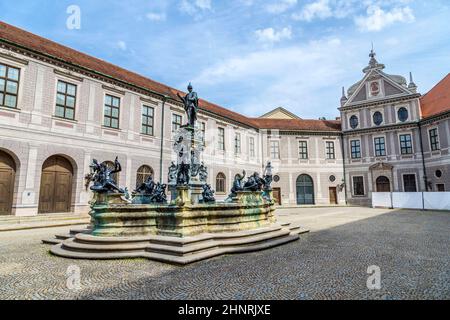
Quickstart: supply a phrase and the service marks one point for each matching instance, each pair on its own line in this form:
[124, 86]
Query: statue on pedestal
[268, 176]
[190, 102]
[102, 177]
[172, 174]
[203, 173]
[183, 176]
[237, 185]
[147, 187]
[159, 194]
[254, 183]
[208, 194]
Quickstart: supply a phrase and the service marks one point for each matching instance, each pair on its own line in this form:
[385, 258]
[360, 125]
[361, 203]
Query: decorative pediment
[380, 166]
[377, 85]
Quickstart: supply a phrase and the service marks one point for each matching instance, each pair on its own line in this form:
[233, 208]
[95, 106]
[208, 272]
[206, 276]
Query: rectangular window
[409, 183]
[9, 86]
[112, 112]
[356, 149]
[330, 150]
[303, 149]
[434, 139]
[380, 147]
[252, 147]
[176, 122]
[203, 129]
[237, 143]
[358, 186]
[147, 120]
[405, 144]
[65, 100]
[440, 187]
[221, 139]
[275, 149]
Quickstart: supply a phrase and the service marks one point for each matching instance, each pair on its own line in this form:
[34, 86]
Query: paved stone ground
[410, 247]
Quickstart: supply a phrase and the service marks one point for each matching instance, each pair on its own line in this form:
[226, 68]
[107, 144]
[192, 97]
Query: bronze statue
[208, 194]
[203, 173]
[147, 187]
[268, 176]
[183, 174]
[237, 185]
[254, 183]
[172, 175]
[190, 102]
[102, 177]
[159, 194]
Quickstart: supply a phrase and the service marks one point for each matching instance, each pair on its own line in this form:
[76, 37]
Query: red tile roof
[437, 100]
[298, 124]
[47, 47]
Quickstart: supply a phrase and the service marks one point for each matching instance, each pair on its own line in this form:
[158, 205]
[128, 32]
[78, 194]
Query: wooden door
[277, 195]
[7, 177]
[56, 185]
[333, 195]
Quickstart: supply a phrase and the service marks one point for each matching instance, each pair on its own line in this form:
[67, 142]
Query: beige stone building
[60, 108]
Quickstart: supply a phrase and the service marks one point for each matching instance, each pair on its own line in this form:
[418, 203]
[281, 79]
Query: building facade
[60, 109]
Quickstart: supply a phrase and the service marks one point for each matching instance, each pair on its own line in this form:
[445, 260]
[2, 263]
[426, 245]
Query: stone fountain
[188, 227]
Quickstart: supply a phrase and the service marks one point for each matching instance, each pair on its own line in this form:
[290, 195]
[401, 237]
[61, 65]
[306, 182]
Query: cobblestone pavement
[410, 247]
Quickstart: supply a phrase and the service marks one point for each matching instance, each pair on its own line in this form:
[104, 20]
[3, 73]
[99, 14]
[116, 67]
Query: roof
[275, 114]
[437, 100]
[299, 124]
[47, 47]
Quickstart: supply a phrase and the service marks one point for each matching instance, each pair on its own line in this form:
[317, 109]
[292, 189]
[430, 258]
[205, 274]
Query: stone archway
[56, 185]
[7, 178]
[305, 190]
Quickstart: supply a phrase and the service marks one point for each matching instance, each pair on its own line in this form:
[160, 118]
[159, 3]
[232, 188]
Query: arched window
[221, 183]
[115, 176]
[143, 173]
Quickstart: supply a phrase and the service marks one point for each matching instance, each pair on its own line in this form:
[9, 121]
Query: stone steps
[175, 250]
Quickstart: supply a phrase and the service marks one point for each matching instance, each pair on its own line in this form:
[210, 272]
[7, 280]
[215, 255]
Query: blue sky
[253, 55]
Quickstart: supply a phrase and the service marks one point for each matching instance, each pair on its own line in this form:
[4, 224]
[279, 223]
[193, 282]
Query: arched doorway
[56, 185]
[383, 184]
[305, 189]
[7, 178]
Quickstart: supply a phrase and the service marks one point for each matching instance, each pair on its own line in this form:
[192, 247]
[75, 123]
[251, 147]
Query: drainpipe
[425, 178]
[162, 140]
[343, 165]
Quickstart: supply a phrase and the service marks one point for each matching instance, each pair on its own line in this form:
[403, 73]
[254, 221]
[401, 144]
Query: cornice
[379, 102]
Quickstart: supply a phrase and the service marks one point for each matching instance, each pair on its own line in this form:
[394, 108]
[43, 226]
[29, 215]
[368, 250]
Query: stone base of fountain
[180, 232]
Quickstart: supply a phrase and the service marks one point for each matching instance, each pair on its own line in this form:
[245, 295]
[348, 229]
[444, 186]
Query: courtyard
[411, 248]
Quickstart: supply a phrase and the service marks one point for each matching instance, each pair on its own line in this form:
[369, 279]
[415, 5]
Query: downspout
[162, 140]
[343, 165]
[425, 178]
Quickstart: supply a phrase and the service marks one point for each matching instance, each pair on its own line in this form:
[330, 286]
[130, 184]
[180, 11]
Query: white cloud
[319, 9]
[121, 45]
[280, 6]
[153, 16]
[192, 7]
[377, 19]
[269, 35]
[293, 77]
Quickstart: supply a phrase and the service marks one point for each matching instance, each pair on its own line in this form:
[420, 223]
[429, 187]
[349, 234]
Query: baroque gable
[377, 85]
